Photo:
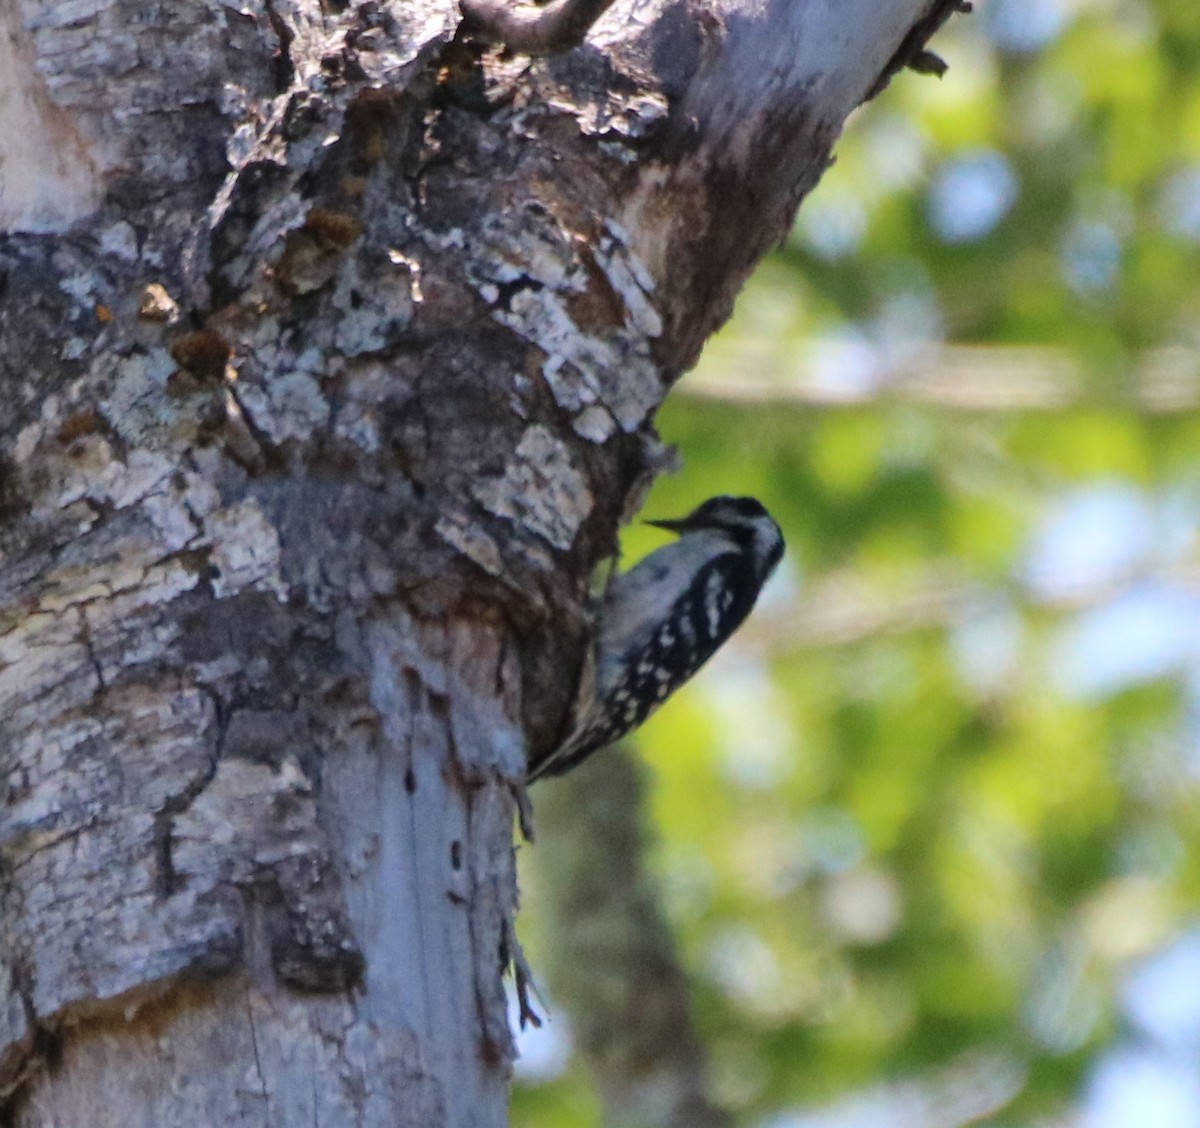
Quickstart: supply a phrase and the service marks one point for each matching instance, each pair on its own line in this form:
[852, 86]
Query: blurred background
[918, 849]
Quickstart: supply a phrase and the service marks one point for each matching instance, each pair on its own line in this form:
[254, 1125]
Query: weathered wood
[330, 347]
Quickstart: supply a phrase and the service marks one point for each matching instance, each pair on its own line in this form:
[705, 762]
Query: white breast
[637, 601]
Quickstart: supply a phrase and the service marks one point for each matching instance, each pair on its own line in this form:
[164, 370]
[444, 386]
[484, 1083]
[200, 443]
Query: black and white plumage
[663, 619]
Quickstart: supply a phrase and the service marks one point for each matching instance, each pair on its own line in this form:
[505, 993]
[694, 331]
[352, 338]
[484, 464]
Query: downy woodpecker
[662, 620]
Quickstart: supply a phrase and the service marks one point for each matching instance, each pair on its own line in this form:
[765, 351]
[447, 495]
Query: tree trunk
[611, 960]
[330, 343]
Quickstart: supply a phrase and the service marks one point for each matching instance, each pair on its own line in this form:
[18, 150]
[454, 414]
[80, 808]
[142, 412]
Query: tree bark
[330, 343]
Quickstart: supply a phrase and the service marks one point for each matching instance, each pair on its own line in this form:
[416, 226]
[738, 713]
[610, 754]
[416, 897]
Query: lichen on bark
[329, 374]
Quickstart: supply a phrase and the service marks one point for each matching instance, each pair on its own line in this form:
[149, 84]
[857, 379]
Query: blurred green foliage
[935, 802]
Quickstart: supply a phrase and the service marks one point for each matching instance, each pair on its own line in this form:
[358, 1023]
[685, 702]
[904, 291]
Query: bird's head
[742, 519]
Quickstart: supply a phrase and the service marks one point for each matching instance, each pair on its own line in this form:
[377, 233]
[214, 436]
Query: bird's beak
[673, 525]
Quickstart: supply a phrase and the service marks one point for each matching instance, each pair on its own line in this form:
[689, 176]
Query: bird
[658, 623]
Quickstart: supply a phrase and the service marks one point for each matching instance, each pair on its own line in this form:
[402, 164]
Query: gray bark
[330, 345]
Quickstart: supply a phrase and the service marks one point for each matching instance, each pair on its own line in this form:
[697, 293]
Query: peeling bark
[330, 345]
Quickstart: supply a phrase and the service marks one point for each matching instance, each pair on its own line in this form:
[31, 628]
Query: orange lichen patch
[311, 253]
[85, 422]
[202, 353]
[333, 228]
